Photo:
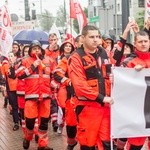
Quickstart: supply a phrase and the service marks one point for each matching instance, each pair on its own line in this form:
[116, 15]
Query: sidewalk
[12, 140]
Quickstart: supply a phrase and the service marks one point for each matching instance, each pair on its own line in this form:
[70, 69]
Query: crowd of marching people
[69, 86]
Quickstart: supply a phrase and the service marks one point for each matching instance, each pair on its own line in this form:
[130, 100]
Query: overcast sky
[16, 6]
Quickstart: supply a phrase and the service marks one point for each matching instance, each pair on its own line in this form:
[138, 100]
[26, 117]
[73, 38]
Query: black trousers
[12, 96]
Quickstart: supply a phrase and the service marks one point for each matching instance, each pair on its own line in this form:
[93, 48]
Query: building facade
[107, 14]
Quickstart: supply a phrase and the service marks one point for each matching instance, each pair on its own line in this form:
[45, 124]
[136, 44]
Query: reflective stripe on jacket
[88, 75]
[37, 80]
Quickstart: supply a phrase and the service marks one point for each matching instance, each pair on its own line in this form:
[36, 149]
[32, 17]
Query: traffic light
[33, 14]
[26, 5]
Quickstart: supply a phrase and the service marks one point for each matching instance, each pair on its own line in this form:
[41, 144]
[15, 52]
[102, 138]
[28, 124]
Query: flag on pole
[6, 39]
[76, 12]
[147, 9]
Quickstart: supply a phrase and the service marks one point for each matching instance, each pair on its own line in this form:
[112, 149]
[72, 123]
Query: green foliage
[46, 20]
[86, 12]
[61, 17]
[140, 20]
[76, 25]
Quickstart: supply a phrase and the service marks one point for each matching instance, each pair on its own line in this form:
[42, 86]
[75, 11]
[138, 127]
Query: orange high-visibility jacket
[89, 76]
[61, 76]
[12, 83]
[37, 80]
[52, 53]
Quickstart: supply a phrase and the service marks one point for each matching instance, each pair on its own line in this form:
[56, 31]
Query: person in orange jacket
[2, 86]
[37, 93]
[53, 48]
[139, 61]
[53, 51]
[66, 99]
[87, 73]
[11, 88]
[20, 87]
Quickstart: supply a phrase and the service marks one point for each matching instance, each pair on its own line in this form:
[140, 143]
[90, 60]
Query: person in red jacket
[140, 60]
[65, 96]
[87, 73]
[53, 51]
[37, 94]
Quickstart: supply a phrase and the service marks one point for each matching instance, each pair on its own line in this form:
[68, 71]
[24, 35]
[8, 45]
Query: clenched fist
[108, 100]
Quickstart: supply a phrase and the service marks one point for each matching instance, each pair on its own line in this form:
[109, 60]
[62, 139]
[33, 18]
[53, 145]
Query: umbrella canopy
[27, 36]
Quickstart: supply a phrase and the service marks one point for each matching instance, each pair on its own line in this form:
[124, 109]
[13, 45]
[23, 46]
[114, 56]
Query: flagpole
[65, 18]
[71, 21]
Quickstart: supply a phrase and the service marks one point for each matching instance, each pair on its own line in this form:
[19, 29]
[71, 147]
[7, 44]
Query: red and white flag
[76, 12]
[6, 39]
[147, 9]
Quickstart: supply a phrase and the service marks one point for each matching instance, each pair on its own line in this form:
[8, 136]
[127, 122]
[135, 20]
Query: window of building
[141, 3]
[130, 3]
[118, 7]
[91, 14]
[94, 11]
[90, 2]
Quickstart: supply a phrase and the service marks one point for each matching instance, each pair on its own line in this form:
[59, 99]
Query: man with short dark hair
[88, 76]
[53, 51]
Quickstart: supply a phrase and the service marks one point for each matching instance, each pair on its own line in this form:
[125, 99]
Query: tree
[46, 20]
[140, 20]
[61, 17]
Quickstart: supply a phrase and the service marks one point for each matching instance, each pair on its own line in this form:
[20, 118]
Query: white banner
[5, 20]
[6, 41]
[147, 9]
[129, 113]
[5, 31]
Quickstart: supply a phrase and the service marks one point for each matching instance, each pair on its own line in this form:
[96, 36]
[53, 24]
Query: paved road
[12, 140]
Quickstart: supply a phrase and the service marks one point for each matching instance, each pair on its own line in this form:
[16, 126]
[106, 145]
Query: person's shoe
[5, 106]
[71, 147]
[5, 103]
[36, 138]
[26, 144]
[44, 148]
[16, 127]
[10, 112]
[60, 129]
[55, 126]
[96, 147]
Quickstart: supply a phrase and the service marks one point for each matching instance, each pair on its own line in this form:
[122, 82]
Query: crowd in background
[65, 85]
